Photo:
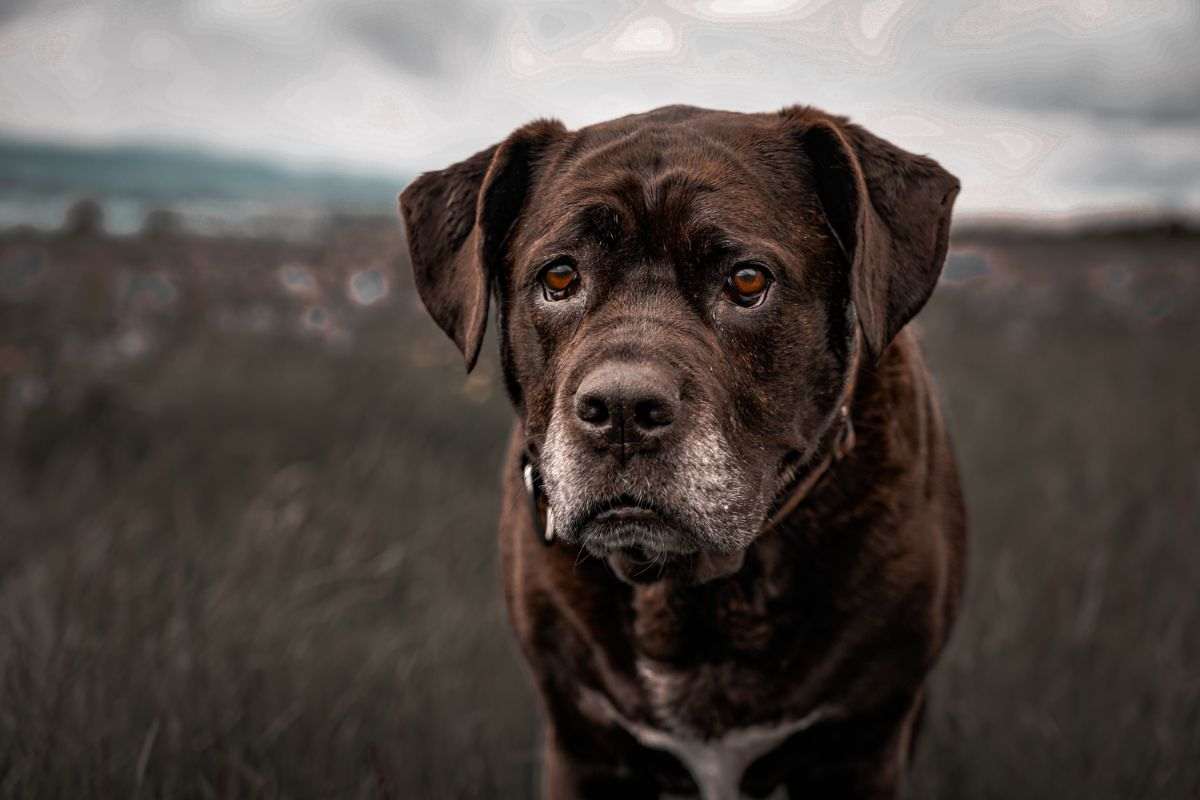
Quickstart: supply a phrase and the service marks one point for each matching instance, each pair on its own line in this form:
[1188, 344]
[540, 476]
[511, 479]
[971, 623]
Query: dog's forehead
[714, 151]
[680, 166]
[730, 126]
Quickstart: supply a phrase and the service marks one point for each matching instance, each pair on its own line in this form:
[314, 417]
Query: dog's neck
[663, 610]
[835, 444]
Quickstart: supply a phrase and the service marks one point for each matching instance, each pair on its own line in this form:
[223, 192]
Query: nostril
[592, 410]
[652, 413]
[626, 405]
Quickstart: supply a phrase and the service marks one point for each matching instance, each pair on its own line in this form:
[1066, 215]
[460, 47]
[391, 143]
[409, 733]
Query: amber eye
[747, 284]
[560, 279]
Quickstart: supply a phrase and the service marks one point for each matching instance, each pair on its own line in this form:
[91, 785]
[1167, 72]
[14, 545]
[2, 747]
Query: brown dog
[732, 533]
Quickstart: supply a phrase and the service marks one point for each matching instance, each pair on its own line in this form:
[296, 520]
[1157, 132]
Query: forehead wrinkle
[650, 149]
[595, 221]
[602, 151]
[658, 206]
[680, 139]
[708, 238]
[634, 169]
[674, 191]
[660, 184]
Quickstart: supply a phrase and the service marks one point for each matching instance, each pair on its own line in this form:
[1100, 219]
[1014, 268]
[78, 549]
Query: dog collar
[539, 506]
[843, 442]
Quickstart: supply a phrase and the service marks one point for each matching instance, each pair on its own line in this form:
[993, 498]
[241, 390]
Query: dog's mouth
[626, 512]
[644, 543]
[643, 530]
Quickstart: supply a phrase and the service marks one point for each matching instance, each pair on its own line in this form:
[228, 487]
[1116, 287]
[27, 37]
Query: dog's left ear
[458, 220]
[890, 210]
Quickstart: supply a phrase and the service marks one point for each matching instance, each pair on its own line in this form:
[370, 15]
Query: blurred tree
[84, 218]
[162, 223]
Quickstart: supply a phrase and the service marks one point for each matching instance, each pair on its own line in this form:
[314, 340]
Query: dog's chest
[716, 756]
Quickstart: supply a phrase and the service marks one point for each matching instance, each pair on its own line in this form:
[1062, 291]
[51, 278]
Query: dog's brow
[712, 240]
[600, 222]
[597, 222]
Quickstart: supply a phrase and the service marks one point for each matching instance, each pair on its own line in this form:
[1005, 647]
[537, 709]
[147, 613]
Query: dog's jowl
[733, 534]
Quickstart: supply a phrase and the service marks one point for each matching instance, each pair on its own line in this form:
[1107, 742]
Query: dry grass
[246, 558]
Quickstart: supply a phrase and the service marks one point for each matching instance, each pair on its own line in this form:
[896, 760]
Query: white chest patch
[716, 764]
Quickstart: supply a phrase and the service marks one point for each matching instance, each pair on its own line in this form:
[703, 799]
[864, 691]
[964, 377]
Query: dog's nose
[626, 406]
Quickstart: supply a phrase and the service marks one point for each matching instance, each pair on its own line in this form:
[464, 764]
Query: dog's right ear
[457, 222]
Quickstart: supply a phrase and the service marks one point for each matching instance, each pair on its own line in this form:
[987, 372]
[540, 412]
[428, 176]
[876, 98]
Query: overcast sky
[1042, 107]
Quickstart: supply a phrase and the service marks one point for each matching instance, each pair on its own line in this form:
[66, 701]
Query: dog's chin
[641, 548]
[636, 566]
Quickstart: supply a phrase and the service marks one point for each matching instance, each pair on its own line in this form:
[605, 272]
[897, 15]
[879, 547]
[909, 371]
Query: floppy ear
[890, 211]
[457, 222]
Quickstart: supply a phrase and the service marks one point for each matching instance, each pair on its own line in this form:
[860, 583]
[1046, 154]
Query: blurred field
[247, 505]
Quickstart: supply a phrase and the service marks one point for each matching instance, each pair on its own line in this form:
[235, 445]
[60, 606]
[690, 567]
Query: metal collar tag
[539, 508]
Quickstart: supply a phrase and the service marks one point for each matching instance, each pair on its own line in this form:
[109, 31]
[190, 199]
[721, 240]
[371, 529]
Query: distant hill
[163, 175]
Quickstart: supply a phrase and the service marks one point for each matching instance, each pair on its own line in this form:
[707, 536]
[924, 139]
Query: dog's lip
[625, 508]
[624, 522]
[628, 512]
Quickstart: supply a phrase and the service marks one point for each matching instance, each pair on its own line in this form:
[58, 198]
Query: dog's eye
[747, 285]
[560, 279]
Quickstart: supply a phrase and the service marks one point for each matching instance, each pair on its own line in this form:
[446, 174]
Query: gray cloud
[1081, 91]
[1117, 167]
[1108, 86]
[557, 25]
[12, 9]
[426, 39]
[1037, 104]
[1135, 67]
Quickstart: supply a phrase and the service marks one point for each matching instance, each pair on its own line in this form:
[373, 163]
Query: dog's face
[677, 321]
[680, 295]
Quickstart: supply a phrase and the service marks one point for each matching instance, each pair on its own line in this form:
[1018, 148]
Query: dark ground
[247, 525]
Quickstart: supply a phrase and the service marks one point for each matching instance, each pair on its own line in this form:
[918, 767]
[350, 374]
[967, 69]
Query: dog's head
[680, 296]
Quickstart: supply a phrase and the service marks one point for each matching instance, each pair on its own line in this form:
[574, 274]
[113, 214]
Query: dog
[732, 531]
